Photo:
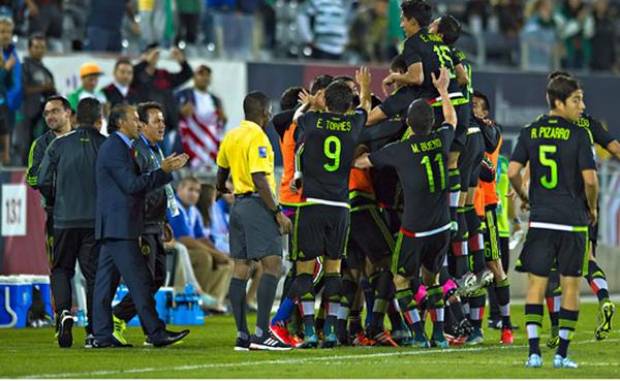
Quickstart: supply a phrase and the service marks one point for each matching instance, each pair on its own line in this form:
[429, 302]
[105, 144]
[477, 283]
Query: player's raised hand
[305, 98]
[441, 82]
[363, 77]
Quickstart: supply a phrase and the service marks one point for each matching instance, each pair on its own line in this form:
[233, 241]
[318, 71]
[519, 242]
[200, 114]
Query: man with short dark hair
[256, 220]
[57, 115]
[120, 90]
[67, 176]
[323, 163]
[424, 236]
[563, 192]
[121, 191]
[38, 82]
[148, 156]
[201, 115]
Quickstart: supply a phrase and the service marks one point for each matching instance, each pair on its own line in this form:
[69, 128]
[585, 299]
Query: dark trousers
[123, 258]
[505, 252]
[154, 255]
[71, 245]
[188, 27]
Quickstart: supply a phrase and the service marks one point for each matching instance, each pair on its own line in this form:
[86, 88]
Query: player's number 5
[332, 148]
[551, 181]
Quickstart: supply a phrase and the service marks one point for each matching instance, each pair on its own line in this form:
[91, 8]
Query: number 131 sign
[13, 210]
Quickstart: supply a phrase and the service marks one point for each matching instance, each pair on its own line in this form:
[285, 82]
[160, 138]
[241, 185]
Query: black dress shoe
[113, 343]
[169, 338]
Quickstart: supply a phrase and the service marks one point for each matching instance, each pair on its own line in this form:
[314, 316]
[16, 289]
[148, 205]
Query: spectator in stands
[45, 17]
[213, 268]
[539, 36]
[395, 32]
[89, 75]
[189, 21]
[576, 28]
[152, 21]
[202, 114]
[104, 21]
[510, 17]
[153, 84]
[323, 25]
[10, 86]
[38, 83]
[120, 90]
[604, 40]
[368, 33]
[477, 14]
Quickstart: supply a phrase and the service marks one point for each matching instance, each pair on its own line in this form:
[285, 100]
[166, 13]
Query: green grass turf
[207, 353]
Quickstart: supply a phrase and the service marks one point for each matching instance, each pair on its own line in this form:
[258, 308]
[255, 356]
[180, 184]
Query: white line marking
[326, 358]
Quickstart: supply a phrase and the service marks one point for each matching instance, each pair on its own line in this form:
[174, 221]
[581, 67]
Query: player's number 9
[332, 148]
[551, 181]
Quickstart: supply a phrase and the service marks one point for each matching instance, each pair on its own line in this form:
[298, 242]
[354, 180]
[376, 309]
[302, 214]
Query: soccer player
[425, 53]
[486, 200]
[370, 245]
[424, 236]
[595, 275]
[292, 199]
[325, 159]
[562, 196]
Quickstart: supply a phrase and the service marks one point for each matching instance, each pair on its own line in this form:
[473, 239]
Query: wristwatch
[277, 210]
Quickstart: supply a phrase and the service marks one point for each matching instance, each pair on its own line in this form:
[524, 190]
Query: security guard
[256, 221]
[148, 157]
[67, 175]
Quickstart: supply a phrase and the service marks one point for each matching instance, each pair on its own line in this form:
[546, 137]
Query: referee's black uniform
[67, 175]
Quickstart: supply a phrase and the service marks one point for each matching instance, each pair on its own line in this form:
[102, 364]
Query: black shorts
[411, 252]
[369, 237]
[322, 231]
[491, 234]
[470, 159]
[543, 247]
[463, 113]
[398, 103]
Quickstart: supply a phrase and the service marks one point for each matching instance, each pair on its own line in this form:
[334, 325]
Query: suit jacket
[121, 191]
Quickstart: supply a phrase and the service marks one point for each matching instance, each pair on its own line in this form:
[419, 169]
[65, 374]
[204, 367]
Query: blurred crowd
[533, 34]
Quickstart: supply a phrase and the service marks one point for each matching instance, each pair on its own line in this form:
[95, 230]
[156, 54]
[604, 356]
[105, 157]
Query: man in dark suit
[121, 191]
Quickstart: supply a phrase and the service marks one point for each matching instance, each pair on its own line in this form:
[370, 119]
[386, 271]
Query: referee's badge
[146, 249]
[262, 152]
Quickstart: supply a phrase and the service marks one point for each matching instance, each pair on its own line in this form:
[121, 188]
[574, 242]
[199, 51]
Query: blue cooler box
[15, 301]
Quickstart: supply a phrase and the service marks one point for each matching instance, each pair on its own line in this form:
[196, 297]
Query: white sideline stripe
[326, 358]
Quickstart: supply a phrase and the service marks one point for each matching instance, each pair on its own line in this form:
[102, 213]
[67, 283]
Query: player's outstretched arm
[441, 83]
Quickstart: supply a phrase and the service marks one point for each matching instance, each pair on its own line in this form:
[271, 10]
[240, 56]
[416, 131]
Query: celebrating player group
[400, 206]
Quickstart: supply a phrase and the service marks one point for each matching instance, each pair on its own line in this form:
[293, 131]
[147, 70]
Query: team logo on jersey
[262, 152]
[146, 249]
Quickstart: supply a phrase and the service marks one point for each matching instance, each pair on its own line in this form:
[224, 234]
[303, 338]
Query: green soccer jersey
[503, 187]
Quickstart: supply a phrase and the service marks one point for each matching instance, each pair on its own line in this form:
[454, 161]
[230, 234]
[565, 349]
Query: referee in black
[67, 175]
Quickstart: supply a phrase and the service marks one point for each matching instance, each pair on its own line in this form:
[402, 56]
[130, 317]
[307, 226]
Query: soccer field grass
[207, 353]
